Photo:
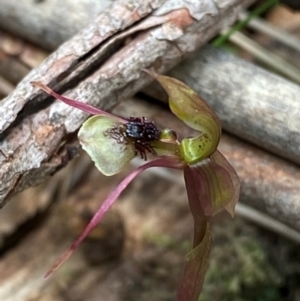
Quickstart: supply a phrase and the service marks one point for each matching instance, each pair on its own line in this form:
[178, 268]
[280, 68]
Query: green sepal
[193, 111]
[110, 156]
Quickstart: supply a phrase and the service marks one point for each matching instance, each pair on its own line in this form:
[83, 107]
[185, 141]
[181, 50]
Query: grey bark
[48, 23]
[108, 69]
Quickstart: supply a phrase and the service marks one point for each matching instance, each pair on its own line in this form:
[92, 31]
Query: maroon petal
[219, 159]
[217, 185]
[197, 258]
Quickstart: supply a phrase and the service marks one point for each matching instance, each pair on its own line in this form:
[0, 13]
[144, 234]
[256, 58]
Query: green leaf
[109, 155]
[193, 111]
[259, 10]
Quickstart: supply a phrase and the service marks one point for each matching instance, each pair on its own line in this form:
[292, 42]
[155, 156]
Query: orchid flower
[211, 182]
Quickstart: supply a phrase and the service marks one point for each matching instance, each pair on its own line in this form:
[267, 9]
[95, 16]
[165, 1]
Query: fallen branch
[165, 36]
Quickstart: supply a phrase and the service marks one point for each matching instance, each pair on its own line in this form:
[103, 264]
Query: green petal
[109, 155]
[168, 144]
[196, 149]
[193, 111]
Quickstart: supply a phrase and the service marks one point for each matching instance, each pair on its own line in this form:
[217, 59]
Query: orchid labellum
[211, 182]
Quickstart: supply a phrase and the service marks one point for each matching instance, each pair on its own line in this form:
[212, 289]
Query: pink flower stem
[76, 104]
[170, 162]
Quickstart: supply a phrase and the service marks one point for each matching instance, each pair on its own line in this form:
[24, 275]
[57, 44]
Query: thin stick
[272, 31]
[267, 222]
[266, 56]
